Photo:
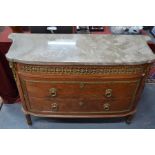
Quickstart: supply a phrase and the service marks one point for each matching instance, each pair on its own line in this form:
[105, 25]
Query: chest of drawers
[64, 85]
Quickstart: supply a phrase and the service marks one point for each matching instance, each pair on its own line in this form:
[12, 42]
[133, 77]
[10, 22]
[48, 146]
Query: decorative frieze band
[83, 70]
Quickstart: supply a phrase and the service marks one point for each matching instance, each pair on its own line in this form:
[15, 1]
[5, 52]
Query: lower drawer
[58, 106]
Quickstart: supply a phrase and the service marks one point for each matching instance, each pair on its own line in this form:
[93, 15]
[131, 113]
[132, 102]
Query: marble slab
[85, 49]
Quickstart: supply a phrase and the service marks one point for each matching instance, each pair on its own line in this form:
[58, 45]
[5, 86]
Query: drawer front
[82, 89]
[59, 106]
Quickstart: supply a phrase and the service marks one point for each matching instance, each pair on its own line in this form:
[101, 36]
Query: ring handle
[53, 92]
[108, 93]
[106, 106]
[54, 107]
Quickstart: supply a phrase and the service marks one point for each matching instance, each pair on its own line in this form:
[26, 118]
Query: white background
[77, 142]
[77, 12]
[68, 13]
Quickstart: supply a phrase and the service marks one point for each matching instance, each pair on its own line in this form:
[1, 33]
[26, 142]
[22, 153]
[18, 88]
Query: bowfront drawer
[79, 105]
[82, 89]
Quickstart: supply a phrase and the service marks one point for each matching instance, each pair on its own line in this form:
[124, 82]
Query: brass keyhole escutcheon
[106, 106]
[53, 92]
[81, 103]
[108, 93]
[81, 85]
[54, 107]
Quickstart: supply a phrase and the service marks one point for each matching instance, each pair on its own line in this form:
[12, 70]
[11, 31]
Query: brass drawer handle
[53, 92]
[108, 92]
[54, 107]
[106, 106]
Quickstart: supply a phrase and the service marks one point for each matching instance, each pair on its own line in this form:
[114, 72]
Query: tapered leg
[129, 119]
[28, 119]
[1, 104]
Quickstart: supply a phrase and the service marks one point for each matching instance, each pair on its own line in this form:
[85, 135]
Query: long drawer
[58, 106]
[82, 89]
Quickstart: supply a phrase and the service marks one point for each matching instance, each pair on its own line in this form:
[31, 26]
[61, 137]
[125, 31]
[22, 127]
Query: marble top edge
[80, 63]
[84, 49]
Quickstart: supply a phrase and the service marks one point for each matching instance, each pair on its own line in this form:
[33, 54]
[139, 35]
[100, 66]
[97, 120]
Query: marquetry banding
[82, 70]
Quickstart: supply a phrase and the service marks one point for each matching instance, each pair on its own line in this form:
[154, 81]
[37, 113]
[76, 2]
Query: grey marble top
[83, 49]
